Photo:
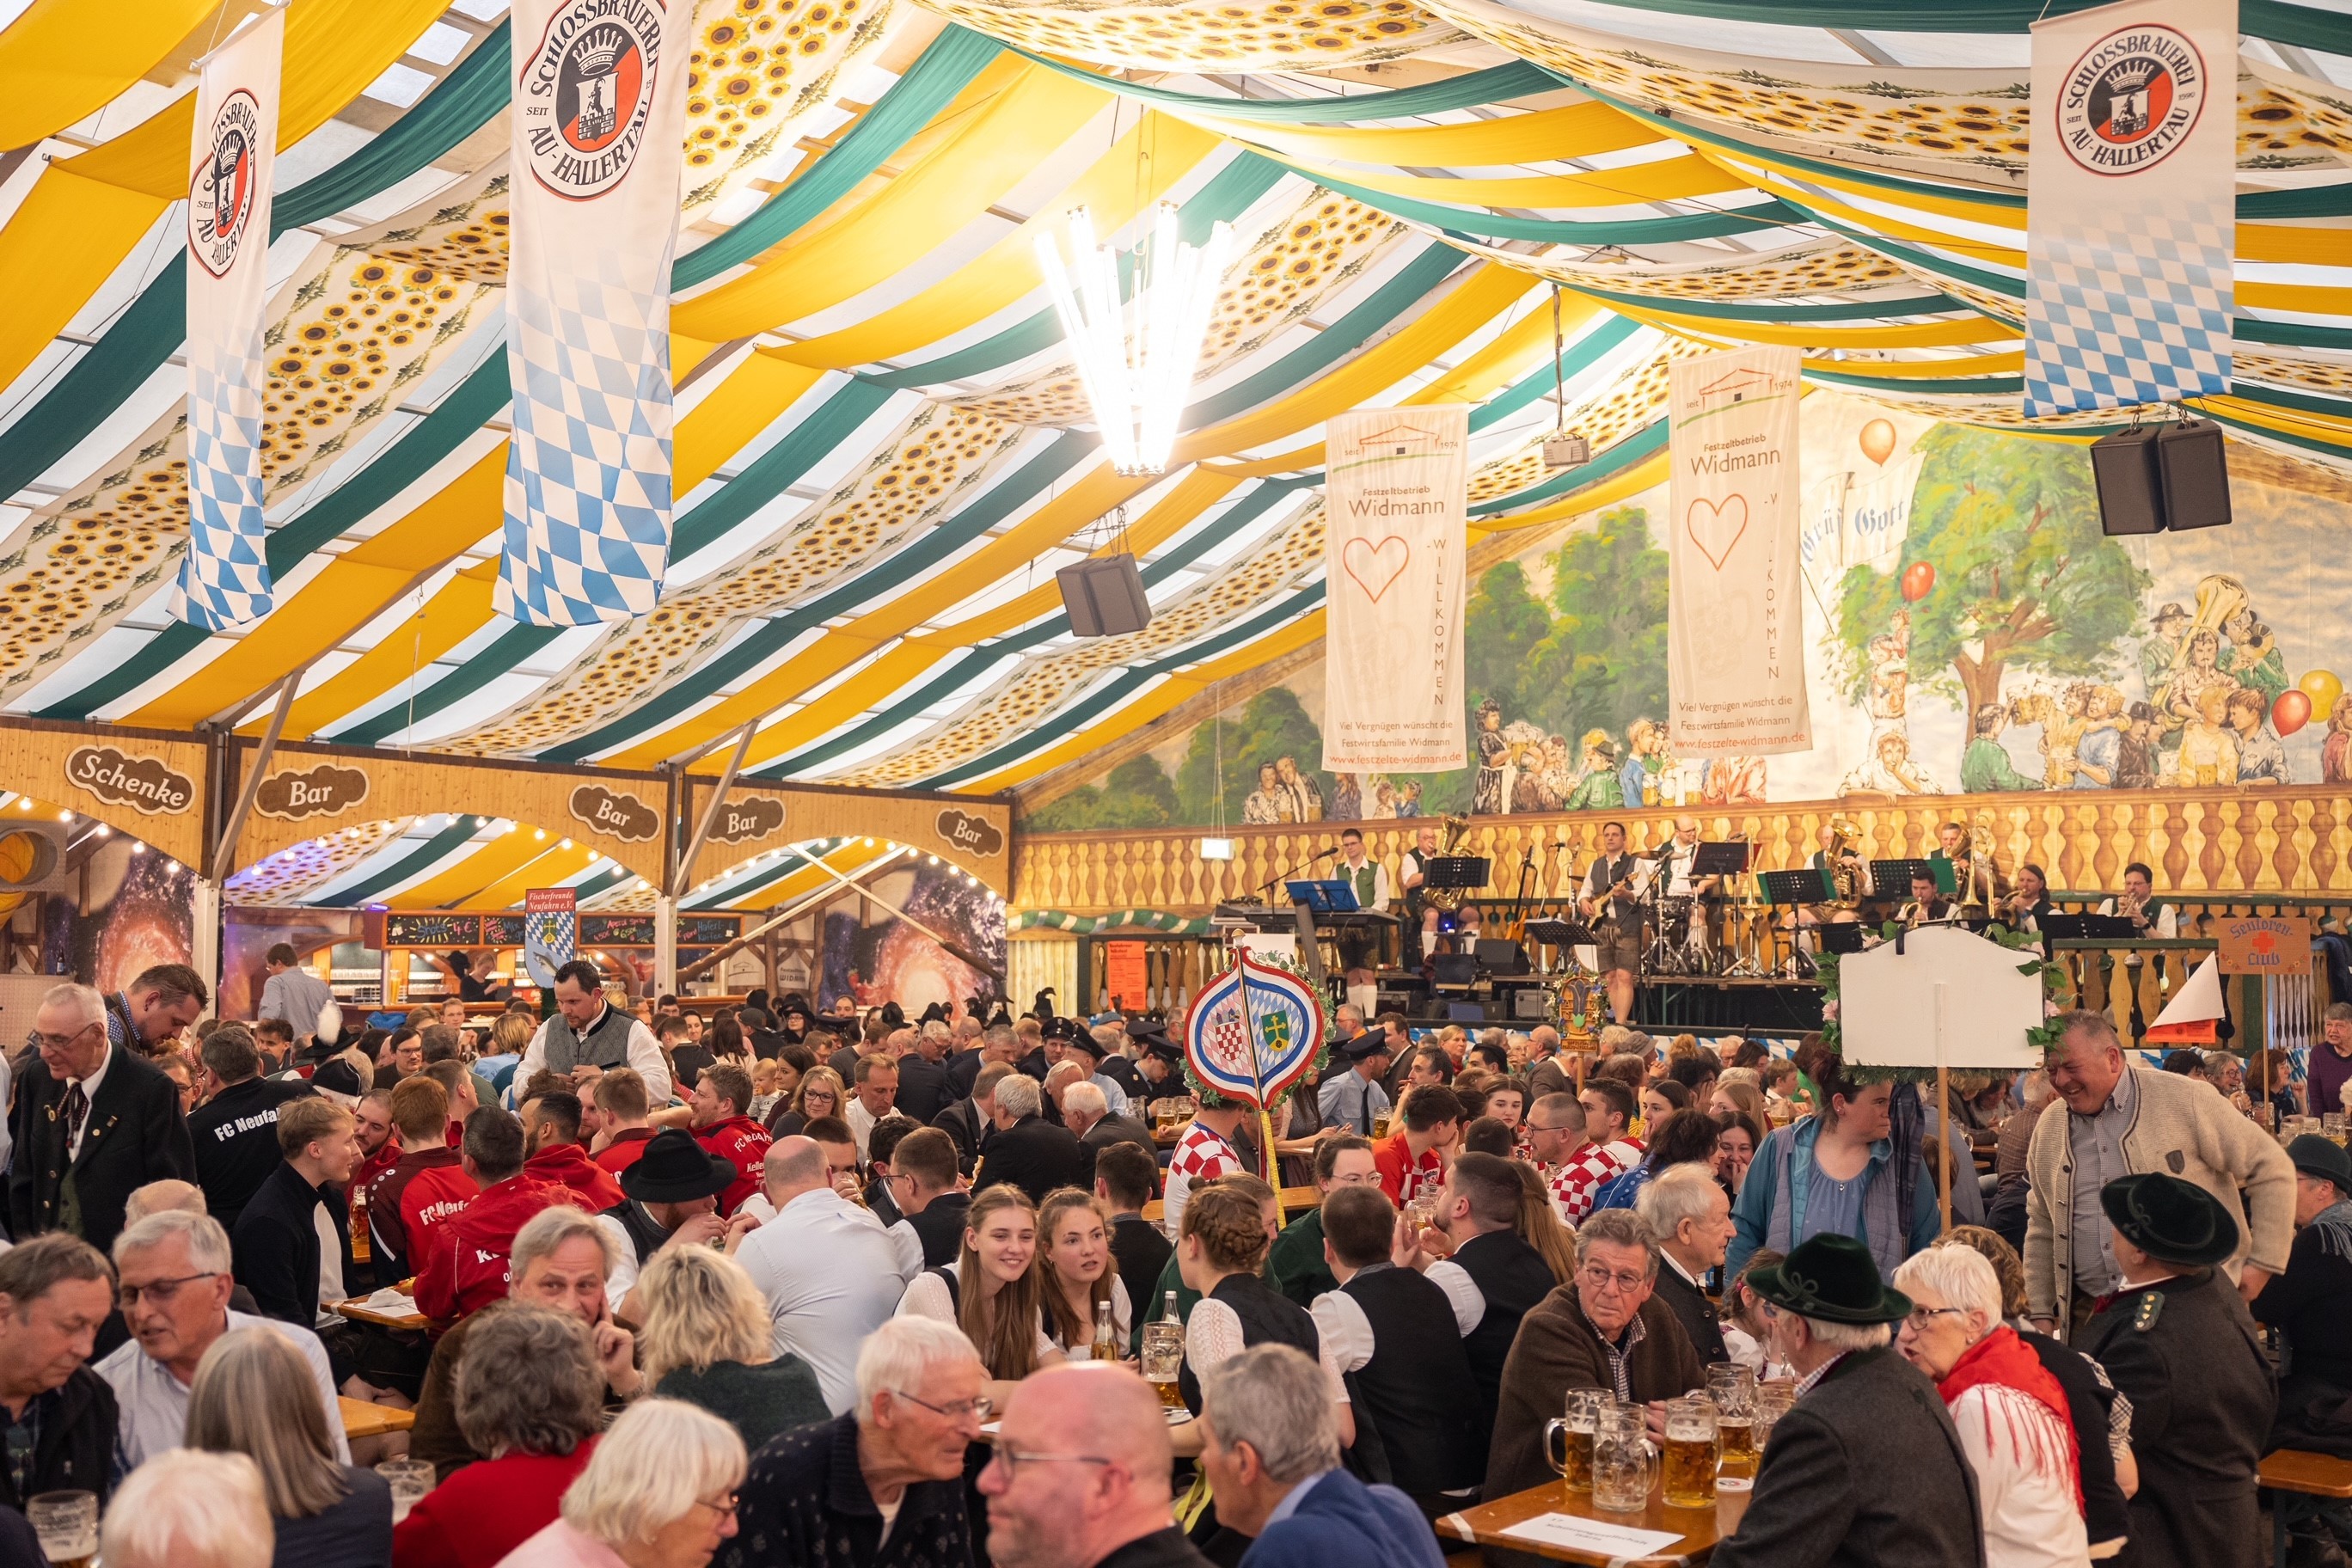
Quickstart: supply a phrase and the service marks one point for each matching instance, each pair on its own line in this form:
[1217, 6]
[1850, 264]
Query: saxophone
[1447, 898]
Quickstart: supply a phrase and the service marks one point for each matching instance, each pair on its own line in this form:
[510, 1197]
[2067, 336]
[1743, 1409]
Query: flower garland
[1209, 1097]
[2044, 1035]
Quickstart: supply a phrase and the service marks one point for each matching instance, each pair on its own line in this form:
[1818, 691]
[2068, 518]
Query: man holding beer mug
[1865, 1470]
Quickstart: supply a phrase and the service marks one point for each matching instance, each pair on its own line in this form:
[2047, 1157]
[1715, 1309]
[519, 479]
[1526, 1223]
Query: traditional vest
[1268, 1318]
[1412, 1389]
[606, 1044]
[1365, 882]
[645, 1233]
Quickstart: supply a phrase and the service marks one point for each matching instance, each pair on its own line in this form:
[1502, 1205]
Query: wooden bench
[1296, 1201]
[2302, 1480]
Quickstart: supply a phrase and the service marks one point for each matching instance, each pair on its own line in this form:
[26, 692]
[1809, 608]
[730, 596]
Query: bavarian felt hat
[2317, 1156]
[675, 1169]
[339, 1081]
[2171, 1220]
[1833, 1279]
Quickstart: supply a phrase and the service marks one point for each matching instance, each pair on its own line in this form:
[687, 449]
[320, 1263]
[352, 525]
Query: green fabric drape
[1474, 90]
[2303, 26]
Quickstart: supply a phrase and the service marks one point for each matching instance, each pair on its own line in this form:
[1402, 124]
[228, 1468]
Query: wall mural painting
[1970, 629]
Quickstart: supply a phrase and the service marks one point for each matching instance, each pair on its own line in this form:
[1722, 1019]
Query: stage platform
[1679, 1003]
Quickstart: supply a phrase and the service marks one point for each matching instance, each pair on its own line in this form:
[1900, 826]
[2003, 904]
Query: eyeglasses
[1013, 1458]
[160, 1291]
[59, 1042]
[977, 1408]
[721, 1506]
[1922, 1316]
[1623, 1284]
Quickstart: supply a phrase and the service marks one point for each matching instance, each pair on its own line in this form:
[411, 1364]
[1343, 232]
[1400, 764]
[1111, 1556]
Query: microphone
[1326, 854]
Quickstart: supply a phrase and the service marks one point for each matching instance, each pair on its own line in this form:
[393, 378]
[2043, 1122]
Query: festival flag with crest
[1252, 1032]
[225, 580]
[598, 151]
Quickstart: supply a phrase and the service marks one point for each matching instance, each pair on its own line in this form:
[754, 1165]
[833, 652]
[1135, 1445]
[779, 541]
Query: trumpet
[2131, 909]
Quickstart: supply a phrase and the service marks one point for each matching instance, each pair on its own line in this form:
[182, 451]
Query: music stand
[1948, 881]
[1728, 858]
[1553, 932]
[1898, 874]
[1465, 871]
[1839, 936]
[1808, 885]
[1328, 896]
[2092, 928]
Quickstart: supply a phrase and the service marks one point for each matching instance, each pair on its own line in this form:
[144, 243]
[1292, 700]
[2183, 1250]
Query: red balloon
[1918, 581]
[2292, 712]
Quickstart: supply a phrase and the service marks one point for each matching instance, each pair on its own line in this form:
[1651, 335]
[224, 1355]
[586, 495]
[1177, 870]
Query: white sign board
[1888, 1011]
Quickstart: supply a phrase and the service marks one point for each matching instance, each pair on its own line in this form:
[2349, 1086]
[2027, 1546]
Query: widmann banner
[1734, 621]
[2131, 215]
[598, 135]
[1395, 509]
[225, 580]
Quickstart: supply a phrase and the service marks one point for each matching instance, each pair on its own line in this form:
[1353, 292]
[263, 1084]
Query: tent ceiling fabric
[882, 450]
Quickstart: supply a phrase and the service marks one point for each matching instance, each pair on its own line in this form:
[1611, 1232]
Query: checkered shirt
[1202, 1156]
[1574, 1184]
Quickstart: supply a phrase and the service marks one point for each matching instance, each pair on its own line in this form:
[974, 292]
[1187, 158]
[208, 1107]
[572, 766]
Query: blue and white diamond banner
[225, 580]
[2131, 215]
[598, 125]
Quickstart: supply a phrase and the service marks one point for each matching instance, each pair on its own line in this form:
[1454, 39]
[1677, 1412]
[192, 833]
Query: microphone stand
[1267, 889]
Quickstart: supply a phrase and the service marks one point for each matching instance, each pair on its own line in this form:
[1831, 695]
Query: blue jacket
[1342, 1520]
[1785, 1163]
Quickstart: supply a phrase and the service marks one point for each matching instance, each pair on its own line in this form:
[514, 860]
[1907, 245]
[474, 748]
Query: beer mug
[1585, 1408]
[1623, 1468]
[66, 1525]
[1691, 1453]
[1733, 1389]
[1772, 1402]
[1163, 1362]
[409, 1480]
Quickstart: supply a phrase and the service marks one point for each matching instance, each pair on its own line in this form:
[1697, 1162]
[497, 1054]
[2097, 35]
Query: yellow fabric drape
[1484, 293]
[552, 869]
[1667, 179]
[489, 861]
[1007, 272]
[1923, 369]
[1651, 470]
[64, 60]
[1970, 329]
[356, 586]
[1000, 145]
[85, 213]
[1577, 130]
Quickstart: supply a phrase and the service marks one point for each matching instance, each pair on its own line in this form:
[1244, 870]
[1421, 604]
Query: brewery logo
[222, 191]
[754, 817]
[624, 817]
[322, 791]
[2130, 99]
[587, 93]
[975, 834]
[142, 783]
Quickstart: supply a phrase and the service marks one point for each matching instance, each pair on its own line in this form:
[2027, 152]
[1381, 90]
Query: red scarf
[2000, 1357]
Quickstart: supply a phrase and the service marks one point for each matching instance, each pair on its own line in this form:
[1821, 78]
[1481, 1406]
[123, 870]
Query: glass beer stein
[1585, 1408]
[1623, 1468]
[1690, 1453]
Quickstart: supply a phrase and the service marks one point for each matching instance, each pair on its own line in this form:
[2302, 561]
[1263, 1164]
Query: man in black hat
[1864, 1470]
[673, 1189]
[1159, 1062]
[2178, 1341]
[1354, 1099]
[1088, 1050]
[2312, 1302]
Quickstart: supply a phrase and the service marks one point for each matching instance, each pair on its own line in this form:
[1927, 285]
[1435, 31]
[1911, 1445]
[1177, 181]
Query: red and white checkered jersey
[1201, 1156]
[1573, 1183]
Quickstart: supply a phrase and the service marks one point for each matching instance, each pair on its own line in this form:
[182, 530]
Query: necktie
[77, 1106]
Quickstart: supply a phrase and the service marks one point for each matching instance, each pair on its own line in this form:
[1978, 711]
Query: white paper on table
[1592, 1535]
[391, 1302]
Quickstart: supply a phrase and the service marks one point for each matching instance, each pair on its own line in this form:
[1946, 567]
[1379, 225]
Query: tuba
[1978, 890]
[1845, 861]
[1449, 899]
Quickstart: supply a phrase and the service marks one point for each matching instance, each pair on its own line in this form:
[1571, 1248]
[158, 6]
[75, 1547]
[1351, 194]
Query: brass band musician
[1926, 906]
[1970, 854]
[2149, 915]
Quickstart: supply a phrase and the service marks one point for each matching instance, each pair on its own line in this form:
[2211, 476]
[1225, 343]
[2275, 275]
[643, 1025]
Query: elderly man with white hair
[882, 1485]
[172, 1270]
[1864, 1470]
[2011, 1415]
[659, 1493]
[1689, 1213]
[190, 1508]
[1086, 1113]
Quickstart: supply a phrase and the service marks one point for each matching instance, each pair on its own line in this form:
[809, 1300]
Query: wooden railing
[2211, 850]
[2130, 982]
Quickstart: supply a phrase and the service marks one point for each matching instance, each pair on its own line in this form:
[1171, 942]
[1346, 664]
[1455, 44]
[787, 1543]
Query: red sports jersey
[742, 1143]
[1573, 1183]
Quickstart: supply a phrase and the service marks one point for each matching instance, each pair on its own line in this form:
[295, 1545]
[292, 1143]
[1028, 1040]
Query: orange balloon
[1878, 440]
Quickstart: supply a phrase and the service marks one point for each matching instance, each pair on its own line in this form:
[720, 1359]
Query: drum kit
[1714, 935]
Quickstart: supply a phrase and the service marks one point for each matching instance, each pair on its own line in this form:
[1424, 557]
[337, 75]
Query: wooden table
[1700, 1528]
[361, 1420]
[358, 1313]
[2296, 1475]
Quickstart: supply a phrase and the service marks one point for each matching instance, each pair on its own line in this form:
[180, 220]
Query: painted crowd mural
[1968, 628]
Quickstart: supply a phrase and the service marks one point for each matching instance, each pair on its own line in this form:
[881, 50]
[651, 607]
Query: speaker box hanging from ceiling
[1104, 596]
[2154, 478]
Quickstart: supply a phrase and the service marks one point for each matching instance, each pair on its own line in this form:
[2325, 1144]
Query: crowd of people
[776, 1287]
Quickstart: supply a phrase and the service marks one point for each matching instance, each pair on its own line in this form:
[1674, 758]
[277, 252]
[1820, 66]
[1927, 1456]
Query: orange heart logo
[1376, 567]
[1715, 529]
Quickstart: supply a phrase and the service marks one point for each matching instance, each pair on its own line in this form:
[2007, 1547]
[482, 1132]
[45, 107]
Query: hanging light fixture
[1136, 361]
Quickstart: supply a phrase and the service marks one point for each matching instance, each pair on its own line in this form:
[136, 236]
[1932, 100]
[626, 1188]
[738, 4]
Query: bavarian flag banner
[1252, 1032]
[225, 580]
[2131, 214]
[598, 127]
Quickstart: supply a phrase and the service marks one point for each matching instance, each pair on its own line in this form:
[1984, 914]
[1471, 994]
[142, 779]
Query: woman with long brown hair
[819, 1094]
[1081, 1276]
[994, 1291]
[1539, 1223]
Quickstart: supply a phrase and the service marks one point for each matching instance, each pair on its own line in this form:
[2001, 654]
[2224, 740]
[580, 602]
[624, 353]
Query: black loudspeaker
[1501, 957]
[1104, 596]
[1453, 969]
[2194, 472]
[2152, 477]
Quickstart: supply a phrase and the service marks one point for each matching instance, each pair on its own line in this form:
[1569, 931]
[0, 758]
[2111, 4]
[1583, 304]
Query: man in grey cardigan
[2122, 1121]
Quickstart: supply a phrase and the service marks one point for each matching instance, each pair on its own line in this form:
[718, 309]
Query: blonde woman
[1081, 1276]
[660, 1493]
[708, 1339]
[819, 1094]
[994, 1291]
[182, 1509]
[253, 1394]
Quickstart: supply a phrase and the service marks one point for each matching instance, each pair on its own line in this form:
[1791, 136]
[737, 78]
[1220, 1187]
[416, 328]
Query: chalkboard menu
[432, 930]
[712, 929]
[503, 930]
[616, 931]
